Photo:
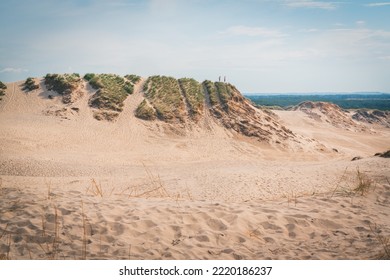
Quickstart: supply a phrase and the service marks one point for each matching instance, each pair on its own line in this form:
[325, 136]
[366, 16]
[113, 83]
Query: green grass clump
[145, 111]
[89, 76]
[133, 78]
[364, 184]
[112, 90]
[164, 94]
[62, 83]
[224, 93]
[3, 87]
[194, 94]
[212, 91]
[30, 84]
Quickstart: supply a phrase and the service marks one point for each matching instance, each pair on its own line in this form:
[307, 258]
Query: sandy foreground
[72, 187]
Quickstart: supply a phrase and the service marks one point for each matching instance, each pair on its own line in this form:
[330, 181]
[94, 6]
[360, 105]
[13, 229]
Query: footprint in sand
[216, 225]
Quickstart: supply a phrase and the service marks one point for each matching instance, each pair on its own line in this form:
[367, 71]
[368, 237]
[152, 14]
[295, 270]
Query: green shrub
[133, 78]
[62, 83]
[30, 84]
[112, 90]
[3, 87]
[89, 76]
[145, 111]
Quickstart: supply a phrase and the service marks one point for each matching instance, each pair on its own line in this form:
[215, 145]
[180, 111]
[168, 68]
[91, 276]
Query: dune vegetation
[112, 90]
[30, 84]
[145, 111]
[164, 94]
[224, 93]
[193, 92]
[62, 83]
[212, 91]
[3, 87]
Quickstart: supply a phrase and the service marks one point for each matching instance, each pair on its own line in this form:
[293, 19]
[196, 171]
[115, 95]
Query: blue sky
[260, 45]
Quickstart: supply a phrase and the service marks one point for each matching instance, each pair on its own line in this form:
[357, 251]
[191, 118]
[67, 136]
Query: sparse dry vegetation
[361, 184]
[384, 241]
[364, 184]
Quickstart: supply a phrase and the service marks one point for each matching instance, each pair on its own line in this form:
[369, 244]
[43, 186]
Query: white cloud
[311, 4]
[352, 43]
[379, 4]
[13, 70]
[241, 30]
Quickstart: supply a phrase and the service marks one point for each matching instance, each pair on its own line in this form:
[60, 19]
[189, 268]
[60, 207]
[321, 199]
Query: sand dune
[73, 187]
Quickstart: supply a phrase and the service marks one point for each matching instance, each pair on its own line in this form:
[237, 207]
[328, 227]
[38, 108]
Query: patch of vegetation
[384, 154]
[105, 115]
[3, 87]
[89, 76]
[224, 93]
[212, 91]
[30, 84]
[192, 90]
[364, 184]
[133, 78]
[164, 94]
[62, 83]
[112, 91]
[145, 111]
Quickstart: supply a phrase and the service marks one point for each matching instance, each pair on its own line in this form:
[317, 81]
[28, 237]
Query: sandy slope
[204, 192]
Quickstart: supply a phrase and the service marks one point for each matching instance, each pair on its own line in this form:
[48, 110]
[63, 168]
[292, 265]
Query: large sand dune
[73, 187]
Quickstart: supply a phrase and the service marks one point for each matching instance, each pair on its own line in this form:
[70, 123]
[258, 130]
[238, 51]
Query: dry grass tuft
[383, 240]
[95, 188]
[364, 184]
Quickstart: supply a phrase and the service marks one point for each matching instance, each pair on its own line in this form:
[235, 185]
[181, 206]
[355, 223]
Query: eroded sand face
[73, 187]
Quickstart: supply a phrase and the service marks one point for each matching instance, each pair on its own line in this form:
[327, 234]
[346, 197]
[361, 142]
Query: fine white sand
[73, 187]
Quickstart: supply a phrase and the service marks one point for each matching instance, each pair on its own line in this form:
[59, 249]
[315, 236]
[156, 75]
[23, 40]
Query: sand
[73, 187]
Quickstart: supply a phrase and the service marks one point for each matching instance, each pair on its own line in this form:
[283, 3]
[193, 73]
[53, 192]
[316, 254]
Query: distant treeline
[380, 101]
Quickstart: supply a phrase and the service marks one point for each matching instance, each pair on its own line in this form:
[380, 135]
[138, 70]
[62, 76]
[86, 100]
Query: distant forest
[380, 101]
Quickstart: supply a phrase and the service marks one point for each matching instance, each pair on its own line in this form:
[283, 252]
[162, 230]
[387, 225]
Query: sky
[261, 46]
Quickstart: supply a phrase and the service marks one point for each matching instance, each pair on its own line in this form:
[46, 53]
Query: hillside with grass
[66, 85]
[179, 105]
[185, 101]
[112, 90]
